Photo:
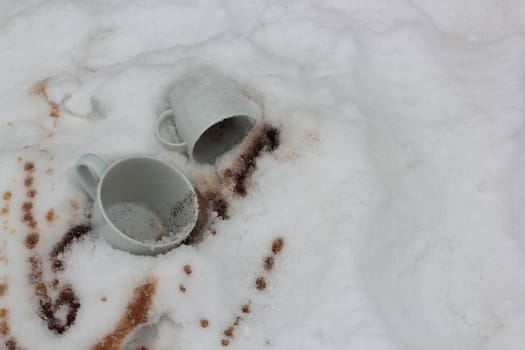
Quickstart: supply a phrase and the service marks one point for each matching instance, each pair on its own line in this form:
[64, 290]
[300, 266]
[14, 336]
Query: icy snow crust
[397, 188]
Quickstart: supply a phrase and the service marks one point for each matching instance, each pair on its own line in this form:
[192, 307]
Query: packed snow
[388, 218]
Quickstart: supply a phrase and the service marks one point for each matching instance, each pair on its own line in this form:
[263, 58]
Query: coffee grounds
[50, 215]
[11, 344]
[136, 313]
[246, 308]
[47, 308]
[260, 283]
[277, 245]
[265, 139]
[269, 261]
[73, 234]
[31, 240]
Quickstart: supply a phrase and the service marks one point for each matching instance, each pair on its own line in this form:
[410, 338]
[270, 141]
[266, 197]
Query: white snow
[397, 188]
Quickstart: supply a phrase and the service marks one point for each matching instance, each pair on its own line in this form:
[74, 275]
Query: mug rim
[191, 150]
[135, 241]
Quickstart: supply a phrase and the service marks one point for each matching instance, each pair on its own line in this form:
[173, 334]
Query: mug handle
[90, 169]
[179, 147]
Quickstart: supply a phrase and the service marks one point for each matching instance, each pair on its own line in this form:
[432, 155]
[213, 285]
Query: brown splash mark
[136, 313]
[73, 234]
[182, 288]
[204, 323]
[246, 308]
[277, 245]
[40, 89]
[260, 283]
[50, 215]
[187, 269]
[209, 201]
[29, 167]
[48, 309]
[217, 203]
[7, 195]
[31, 240]
[4, 328]
[104, 299]
[11, 344]
[269, 261]
[264, 139]
[5, 210]
[27, 207]
[74, 204]
[3, 289]
[229, 332]
[225, 342]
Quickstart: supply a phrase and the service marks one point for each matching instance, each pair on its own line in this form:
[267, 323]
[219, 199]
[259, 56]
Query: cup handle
[90, 169]
[179, 147]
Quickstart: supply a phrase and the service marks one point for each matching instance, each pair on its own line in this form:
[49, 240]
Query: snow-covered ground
[397, 187]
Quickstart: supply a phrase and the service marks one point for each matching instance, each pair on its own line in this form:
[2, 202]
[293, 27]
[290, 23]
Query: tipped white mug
[141, 204]
[211, 115]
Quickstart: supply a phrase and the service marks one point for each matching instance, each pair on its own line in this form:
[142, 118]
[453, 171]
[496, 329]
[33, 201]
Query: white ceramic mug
[211, 115]
[142, 205]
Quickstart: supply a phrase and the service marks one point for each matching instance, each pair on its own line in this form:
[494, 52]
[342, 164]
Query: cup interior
[221, 137]
[149, 201]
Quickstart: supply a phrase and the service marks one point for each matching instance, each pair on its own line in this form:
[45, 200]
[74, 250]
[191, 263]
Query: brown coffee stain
[246, 308]
[28, 181]
[29, 167]
[136, 313]
[260, 283]
[225, 342]
[277, 245]
[187, 269]
[204, 323]
[217, 203]
[31, 240]
[263, 139]
[7, 195]
[182, 288]
[269, 261]
[229, 332]
[47, 308]
[5, 210]
[4, 328]
[50, 215]
[3, 289]
[69, 237]
[31, 193]
[104, 299]
[74, 204]
[50, 171]
[40, 89]
[4, 312]
[11, 344]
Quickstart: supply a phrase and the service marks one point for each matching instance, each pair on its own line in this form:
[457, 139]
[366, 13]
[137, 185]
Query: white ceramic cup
[211, 115]
[142, 205]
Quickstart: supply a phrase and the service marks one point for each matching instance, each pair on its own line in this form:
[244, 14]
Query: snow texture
[397, 187]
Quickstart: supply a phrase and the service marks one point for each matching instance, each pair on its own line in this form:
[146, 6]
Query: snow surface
[397, 188]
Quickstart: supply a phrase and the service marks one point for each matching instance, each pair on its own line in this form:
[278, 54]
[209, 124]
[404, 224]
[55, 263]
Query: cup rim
[248, 117]
[122, 234]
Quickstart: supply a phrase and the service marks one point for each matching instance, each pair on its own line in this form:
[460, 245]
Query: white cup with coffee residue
[142, 205]
[210, 115]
